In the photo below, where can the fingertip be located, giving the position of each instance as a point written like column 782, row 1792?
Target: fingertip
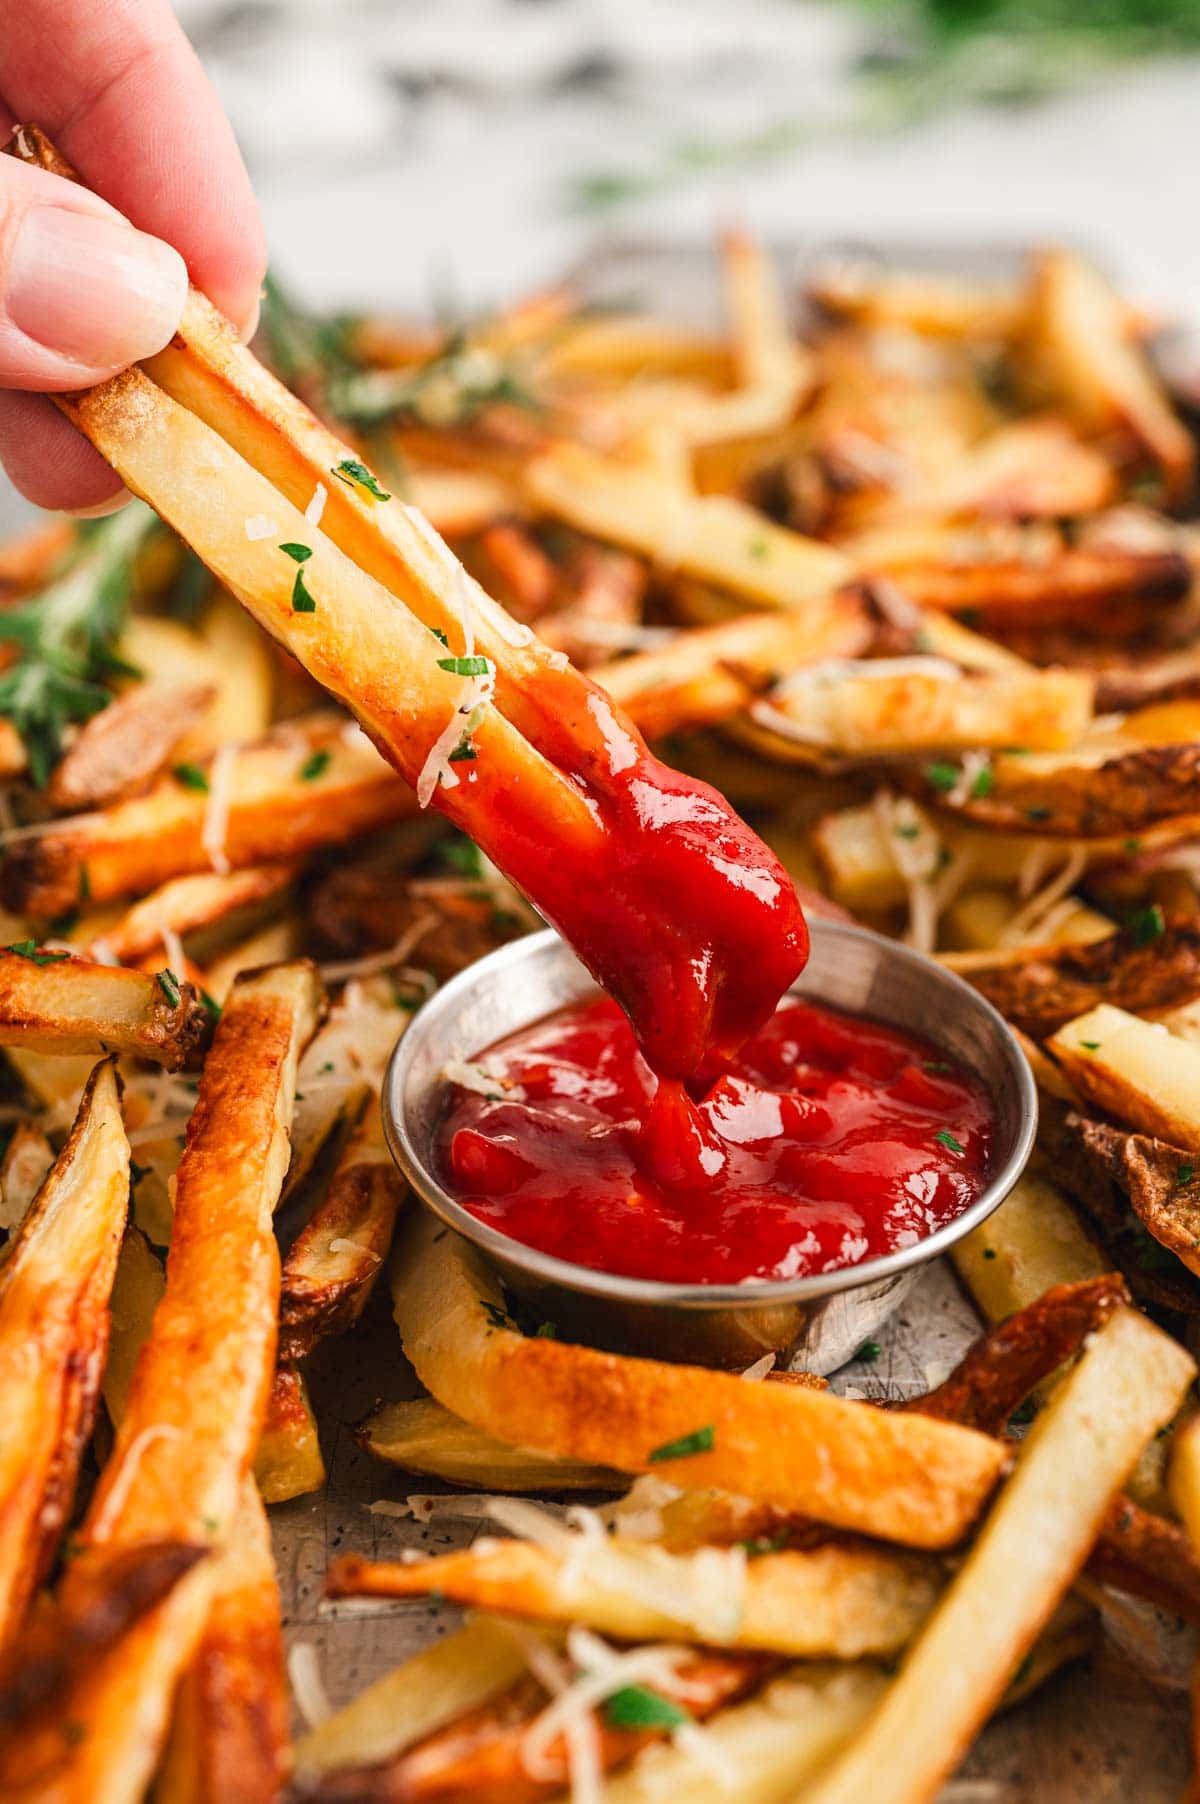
column 50, row 463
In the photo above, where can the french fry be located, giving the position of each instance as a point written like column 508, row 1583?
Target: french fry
column 1079, row 333
column 27, row 1158
column 1091, row 792
column 1158, row 1179
column 1135, row 1070
column 194, row 904
column 243, row 710
column 421, row 1436
column 54, row 1290
column 122, row 749
column 288, row 1462
column 196, row 1398
column 275, row 812
column 53, row 1003
column 803, row 1449
column 415, row 1700
column 229, row 1729
column 937, row 306
column 1041, row 990
column 341, row 1067
column 136, row 1293
column 890, row 706
column 271, row 945
column 833, row 1601
column 1104, row 594
column 1128, row 1383
column 705, row 675
column 1032, row 1242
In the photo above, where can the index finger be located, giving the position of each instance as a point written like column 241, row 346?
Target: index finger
column 122, row 92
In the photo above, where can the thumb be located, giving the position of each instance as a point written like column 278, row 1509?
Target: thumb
column 82, row 292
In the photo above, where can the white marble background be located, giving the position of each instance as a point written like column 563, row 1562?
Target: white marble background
column 400, row 145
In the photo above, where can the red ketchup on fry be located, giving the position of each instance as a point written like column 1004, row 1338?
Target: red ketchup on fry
column 827, row 1140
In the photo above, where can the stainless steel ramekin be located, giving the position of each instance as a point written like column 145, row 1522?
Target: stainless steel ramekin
column 816, row 1322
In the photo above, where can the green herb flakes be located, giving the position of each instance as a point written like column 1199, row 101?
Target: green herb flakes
column 701, row 1440
column 946, row 1138
column 191, row 777
column 316, row 764
column 356, row 474
column 36, row 954
column 168, row 983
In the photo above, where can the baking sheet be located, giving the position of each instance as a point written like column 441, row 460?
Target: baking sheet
column 1098, row 1733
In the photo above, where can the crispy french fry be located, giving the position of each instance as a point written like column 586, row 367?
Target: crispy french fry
column 421, row 1436
column 1127, row 1385
column 332, row 1264
column 1159, row 1180
column 63, row 1005
column 122, row 749
column 833, row 1601
column 275, row 812
column 196, row 1398
column 1079, row 331
column 936, row 306
column 288, row 1462
column 136, row 1293
column 27, row 1158
column 229, row 1730
column 413, row 1701
column 1041, row 989
column 806, row 1450
column 1091, row 792
column 193, row 905
column 341, row 1068
column 705, row 675
column 270, row 945
column 1031, row 1243
column 54, row 1290
column 1134, row 1069
column 1102, row 594
column 897, row 706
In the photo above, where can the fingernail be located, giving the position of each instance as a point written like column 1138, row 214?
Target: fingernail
column 95, row 290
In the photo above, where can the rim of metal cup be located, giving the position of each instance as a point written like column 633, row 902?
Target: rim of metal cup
column 545, row 1268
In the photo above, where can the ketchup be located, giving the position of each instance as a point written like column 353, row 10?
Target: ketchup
column 827, row 1140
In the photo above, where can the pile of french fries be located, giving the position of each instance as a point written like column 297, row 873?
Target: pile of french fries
column 911, row 585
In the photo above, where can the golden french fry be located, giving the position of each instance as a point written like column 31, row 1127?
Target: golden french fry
column 51, row 1003
column 123, row 748
column 1135, row 1070
column 423, row 1437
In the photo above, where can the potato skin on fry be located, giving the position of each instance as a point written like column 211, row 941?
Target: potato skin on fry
column 1160, row 1181
column 1053, row 985
column 1132, row 790
column 74, row 1006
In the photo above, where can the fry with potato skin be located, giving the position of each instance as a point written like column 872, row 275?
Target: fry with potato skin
column 1039, row 991
column 66, row 1005
column 805, row 1450
column 191, row 904
column 196, row 1400
column 275, row 812
column 54, row 1291
column 122, row 749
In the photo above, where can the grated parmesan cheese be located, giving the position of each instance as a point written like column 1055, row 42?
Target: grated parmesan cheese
column 316, row 506
column 340, row 971
column 760, row 1368
column 261, row 526
column 308, row 1687
column 1033, row 917
column 216, row 813
column 477, row 1078
column 341, row 1244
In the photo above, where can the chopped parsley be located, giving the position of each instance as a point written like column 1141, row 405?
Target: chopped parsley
column 946, row 1138
column 168, row 983
column 547, row 1331
column 299, row 554
column 36, row 955
column 191, row 776
column 1090, row 1045
column 1147, row 925
column 942, row 776
column 439, row 634
column 701, row 1440
column 758, row 1545
column 1185, row 1174
column 302, row 601
column 1023, row 1414
column 869, row 1350
column 464, row 666
column 316, row 764
column 984, row 782
column 464, row 752
column 637, row 1707
column 352, row 473
column 909, row 830
column 989, row 1252
column 937, row 1066
column 463, row 855
column 758, row 550
column 210, row 1005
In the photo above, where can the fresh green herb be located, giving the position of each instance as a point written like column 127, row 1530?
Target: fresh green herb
column 869, row 1351
column 942, row 776
column 700, row 1440
column 1023, row 1414
column 1022, row 1673
column 210, row 1005
column 1038, row 813
column 36, row 955
column 547, row 1331
column 211, row 1524
column 983, row 783
column 351, row 472
column 989, row 1252
column 1147, row 925
column 168, row 983
column 299, row 554
column 1133, row 847
column 637, row 1707
column 464, row 752
column 759, row 550
column 66, row 637
column 316, row 764
column 758, row 1545
column 302, row 601
column 947, row 1139
column 137, row 1173
column 909, row 830
column 439, row 634
column 464, row 666
column 1149, row 1255
column 463, row 855
column 1185, row 1174
column 451, row 389
column 191, row 776
column 939, row 1067
column 1090, row 1045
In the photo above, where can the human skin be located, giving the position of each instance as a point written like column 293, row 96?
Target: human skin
column 94, row 278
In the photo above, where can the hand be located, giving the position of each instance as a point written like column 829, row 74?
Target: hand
column 90, row 285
